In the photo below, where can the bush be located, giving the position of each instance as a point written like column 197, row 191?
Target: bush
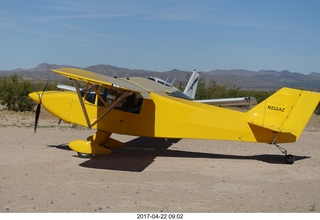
column 14, row 93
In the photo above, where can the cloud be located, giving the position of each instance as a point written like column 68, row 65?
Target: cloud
column 77, row 16
column 7, row 25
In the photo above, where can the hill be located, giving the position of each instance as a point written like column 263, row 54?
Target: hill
column 245, row 79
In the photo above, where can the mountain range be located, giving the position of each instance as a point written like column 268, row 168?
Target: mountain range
column 245, row 79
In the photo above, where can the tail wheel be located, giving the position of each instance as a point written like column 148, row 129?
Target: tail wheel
column 290, row 159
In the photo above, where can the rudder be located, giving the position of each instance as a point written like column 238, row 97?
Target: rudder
column 285, row 112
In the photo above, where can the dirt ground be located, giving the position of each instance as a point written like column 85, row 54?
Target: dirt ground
column 40, row 174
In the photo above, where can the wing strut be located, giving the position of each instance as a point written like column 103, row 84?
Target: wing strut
column 75, row 83
column 122, row 97
column 85, row 113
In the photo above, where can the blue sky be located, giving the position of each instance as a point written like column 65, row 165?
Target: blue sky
column 162, row 35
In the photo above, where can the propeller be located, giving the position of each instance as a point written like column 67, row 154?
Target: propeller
column 39, row 106
column 37, row 117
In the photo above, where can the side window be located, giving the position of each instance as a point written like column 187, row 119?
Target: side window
column 90, row 96
column 112, row 96
column 107, row 96
column 104, row 97
column 132, row 104
column 103, row 92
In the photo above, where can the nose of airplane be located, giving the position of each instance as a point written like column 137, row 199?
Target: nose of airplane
column 35, row 96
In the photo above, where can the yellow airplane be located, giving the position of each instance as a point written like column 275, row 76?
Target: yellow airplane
column 142, row 107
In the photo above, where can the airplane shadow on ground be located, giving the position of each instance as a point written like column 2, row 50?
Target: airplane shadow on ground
column 139, row 153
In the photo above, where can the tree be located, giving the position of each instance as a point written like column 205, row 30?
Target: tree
column 14, row 93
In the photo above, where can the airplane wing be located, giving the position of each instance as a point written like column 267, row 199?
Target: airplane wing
column 94, row 78
column 230, row 101
column 134, row 84
column 131, row 84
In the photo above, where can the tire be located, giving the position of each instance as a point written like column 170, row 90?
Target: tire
column 84, row 155
column 290, row 159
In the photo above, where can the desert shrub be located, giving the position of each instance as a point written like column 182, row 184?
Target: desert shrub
column 14, row 93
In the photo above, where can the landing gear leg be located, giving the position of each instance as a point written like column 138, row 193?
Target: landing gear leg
column 289, row 157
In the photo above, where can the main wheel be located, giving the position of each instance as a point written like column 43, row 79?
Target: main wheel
column 83, row 155
column 290, row 159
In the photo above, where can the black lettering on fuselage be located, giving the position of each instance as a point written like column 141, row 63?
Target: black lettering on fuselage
column 276, row 108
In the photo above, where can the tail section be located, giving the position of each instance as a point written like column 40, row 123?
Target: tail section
column 285, row 114
column 192, row 85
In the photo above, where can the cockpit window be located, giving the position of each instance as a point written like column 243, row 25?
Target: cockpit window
column 103, row 92
column 90, row 95
column 160, row 81
column 132, row 103
column 151, row 78
column 107, row 97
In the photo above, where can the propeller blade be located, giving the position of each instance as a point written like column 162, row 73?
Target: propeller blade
column 37, row 117
column 45, row 87
column 39, row 105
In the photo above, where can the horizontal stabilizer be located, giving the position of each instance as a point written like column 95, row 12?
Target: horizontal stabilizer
column 65, row 87
column 230, row 101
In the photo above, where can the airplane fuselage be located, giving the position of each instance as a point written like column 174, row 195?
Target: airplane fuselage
column 159, row 116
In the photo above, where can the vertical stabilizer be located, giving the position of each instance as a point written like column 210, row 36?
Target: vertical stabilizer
column 285, row 113
column 192, row 85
